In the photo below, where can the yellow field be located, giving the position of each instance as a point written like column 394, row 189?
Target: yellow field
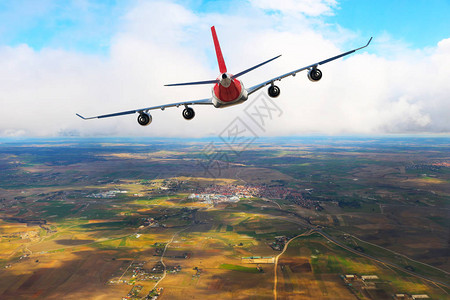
column 78, row 256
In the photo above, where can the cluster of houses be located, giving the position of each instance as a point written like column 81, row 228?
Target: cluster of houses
column 149, row 222
column 279, row 243
column 214, row 198
column 369, row 280
column 412, row 297
column 107, row 195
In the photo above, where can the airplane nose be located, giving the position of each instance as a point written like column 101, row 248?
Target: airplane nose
column 224, row 75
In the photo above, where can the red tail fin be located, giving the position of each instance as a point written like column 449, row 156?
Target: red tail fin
column 222, row 66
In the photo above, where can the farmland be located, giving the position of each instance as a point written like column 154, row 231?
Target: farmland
column 119, row 218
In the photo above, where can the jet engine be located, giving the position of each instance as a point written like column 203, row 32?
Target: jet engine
column 188, row 113
column 273, row 91
column 144, row 119
column 314, row 74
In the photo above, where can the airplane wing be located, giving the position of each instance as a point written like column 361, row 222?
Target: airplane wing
column 162, row 107
column 293, row 73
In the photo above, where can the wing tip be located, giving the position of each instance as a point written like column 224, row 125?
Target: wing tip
column 85, row 118
column 81, row 116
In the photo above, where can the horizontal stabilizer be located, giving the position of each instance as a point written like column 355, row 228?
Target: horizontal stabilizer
column 194, row 83
column 257, row 66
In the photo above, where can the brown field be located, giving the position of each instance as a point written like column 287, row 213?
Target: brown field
column 371, row 201
column 61, row 275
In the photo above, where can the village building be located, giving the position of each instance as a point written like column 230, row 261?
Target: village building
column 258, row 260
column 369, row 277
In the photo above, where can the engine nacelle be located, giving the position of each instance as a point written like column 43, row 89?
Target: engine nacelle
column 188, row 113
column 273, row 91
column 314, row 74
column 144, row 119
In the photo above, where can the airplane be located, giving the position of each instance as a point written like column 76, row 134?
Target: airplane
column 228, row 90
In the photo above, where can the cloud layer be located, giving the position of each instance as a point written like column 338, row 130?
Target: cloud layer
column 389, row 88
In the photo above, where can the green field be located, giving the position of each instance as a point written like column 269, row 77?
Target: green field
column 238, row 268
column 93, row 219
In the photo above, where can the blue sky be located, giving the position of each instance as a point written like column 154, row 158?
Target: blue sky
column 419, row 23
column 73, row 25
column 87, row 26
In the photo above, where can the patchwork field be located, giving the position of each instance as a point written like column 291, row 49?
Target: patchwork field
column 112, row 219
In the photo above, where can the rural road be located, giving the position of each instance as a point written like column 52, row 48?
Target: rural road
column 302, row 221
column 275, row 279
column 162, row 256
column 331, row 239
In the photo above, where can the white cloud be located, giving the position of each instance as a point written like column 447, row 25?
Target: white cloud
column 163, row 42
column 305, row 7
